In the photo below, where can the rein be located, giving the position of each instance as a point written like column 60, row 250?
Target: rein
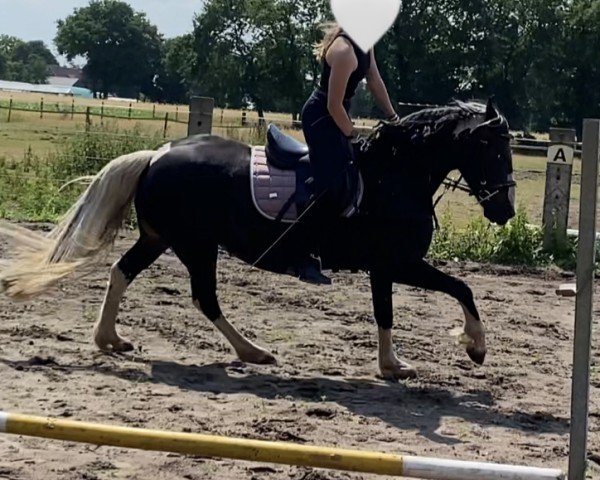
column 450, row 185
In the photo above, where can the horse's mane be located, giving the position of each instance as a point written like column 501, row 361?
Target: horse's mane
column 454, row 118
column 455, row 113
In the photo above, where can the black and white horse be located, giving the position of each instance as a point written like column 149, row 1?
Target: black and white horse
column 194, row 196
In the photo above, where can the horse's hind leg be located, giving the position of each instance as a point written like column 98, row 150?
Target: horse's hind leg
column 139, row 257
column 201, row 262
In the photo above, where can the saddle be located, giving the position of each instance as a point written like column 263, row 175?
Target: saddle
column 281, row 179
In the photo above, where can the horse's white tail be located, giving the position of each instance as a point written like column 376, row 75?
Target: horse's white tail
column 88, row 228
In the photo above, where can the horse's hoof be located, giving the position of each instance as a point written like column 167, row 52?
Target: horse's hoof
column 478, row 356
column 403, row 371
column 118, row 345
column 258, row 357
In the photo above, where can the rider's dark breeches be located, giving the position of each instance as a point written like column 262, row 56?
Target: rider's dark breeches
column 330, row 151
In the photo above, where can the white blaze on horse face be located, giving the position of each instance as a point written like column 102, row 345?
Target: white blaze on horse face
column 366, row 21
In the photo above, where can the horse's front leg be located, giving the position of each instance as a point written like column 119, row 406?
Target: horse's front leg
column 422, row 275
column 390, row 366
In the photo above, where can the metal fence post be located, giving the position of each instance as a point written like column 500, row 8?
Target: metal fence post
column 584, row 304
column 201, row 115
column 558, row 187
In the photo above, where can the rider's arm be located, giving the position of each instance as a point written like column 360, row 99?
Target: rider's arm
column 378, row 89
column 343, row 62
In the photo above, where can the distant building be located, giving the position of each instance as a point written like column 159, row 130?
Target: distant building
column 66, row 77
column 61, row 81
column 45, row 88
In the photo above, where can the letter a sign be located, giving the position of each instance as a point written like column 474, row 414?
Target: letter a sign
column 560, row 154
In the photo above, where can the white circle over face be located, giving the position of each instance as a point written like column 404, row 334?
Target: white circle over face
column 366, row 21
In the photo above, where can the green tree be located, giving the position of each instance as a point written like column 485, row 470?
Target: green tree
column 25, row 61
column 24, row 51
column 421, row 58
column 258, row 52
column 3, row 66
column 8, row 44
column 516, row 55
column 175, row 79
column 121, row 46
column 580, row 97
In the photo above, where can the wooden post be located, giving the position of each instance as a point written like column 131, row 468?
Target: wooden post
column 586, row 265
column 102, row 113
column 72, row 108
column 222, row 115
column 243, row 118
column 129, row 112
column 88, row 119
column 42, row 107
column 154, row 110
column 166, row 125
column 176, row 113
column 558, row 187
column 10, row 102
column 201, row 115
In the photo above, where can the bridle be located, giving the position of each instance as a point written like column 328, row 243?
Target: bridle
column 482, row 192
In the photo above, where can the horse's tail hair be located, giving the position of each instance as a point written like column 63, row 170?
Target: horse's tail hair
column 88, row 228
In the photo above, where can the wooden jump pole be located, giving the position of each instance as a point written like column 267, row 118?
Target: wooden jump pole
column 586, row 264
column 269, row 452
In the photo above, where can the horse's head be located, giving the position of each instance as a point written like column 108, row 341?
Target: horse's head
column 486, row 164
column 475, row 139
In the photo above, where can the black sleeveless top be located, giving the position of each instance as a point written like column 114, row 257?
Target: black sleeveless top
column 357, row 76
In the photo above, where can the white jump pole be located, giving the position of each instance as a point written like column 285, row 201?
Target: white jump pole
column 269, row 452
column 586, row 260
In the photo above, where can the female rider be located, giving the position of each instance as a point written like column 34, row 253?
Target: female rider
column 329, row 131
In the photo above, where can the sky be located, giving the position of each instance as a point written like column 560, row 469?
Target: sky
column 36, row 19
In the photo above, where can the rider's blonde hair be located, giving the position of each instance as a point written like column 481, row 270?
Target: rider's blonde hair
column 330, row 30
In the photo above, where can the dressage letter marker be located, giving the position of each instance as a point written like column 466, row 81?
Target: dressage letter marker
column 269, row 452
column 558, row 188
column 561, row 154
column 366, row 21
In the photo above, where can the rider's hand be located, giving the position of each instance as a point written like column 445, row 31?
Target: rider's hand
column 354, row 134
column 394, row 120
column 355, row 138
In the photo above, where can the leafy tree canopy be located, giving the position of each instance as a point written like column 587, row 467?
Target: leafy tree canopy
column 121, row 46
column 24, row 61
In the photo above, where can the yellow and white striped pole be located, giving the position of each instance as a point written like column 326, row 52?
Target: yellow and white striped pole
column 268, row 452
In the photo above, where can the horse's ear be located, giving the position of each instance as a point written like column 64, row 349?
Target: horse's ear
column 490, row 112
